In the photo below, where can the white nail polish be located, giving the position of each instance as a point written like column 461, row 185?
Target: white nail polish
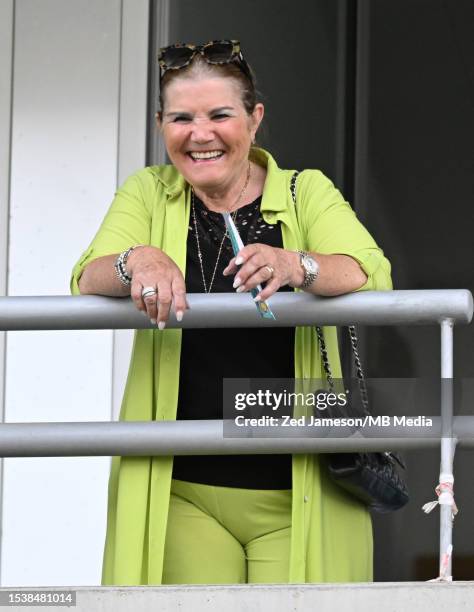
column 257, row 298
column 237, row 282
column 153, row 321
column 161, row 325
column 240, row 289
column 239, row 261
column 179, row 316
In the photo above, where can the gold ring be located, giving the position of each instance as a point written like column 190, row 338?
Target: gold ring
column 270, row 269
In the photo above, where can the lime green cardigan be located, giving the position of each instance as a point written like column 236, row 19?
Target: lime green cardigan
column 331, row 539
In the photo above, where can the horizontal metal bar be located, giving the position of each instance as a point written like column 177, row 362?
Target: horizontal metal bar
column 206, row 438
column 422, row 307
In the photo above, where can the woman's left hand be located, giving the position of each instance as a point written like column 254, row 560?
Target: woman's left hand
column 260, row 263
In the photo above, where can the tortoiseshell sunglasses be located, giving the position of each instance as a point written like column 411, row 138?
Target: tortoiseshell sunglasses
column 180, row 55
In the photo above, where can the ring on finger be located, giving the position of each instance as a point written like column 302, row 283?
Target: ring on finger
column 147, row 291
column 270, row 270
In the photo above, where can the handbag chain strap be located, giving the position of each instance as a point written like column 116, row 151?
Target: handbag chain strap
column 352, row 334
column 355, row 351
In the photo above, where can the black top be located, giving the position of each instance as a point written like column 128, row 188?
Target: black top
column 206, row 357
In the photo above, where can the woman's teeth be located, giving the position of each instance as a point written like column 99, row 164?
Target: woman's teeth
column 206, row 154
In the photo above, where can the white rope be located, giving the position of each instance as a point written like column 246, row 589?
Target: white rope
column 445, row 493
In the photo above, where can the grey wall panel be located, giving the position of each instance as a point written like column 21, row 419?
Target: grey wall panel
column 63, row 176
column 159, row 37
column 6, row 87
column 6, row 60
column 73, row 77
column 133, row 87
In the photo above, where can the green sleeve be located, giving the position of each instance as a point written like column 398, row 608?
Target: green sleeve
column 127, row 222
column 331, row 227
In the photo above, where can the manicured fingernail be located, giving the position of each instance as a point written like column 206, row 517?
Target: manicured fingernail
column 224, row 272
column 161, row 325
column 237, row 282
column 179, row 316
column 153, row 321
column 257, row 298
column 239, row 261
column 240, row 289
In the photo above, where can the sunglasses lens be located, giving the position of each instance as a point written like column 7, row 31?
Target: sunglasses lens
column 220, row 52
column 176, row 57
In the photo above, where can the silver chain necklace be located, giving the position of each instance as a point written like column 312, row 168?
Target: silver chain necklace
column 234, row 216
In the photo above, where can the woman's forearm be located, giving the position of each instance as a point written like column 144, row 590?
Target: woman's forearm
column 338, row 274
column 148, row 267
column 99, row 278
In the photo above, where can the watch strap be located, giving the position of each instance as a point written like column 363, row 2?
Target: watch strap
column 309, row 277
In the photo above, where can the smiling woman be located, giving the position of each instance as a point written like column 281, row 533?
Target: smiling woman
column 233, row 518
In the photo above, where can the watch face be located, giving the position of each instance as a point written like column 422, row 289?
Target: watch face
column 310, row 265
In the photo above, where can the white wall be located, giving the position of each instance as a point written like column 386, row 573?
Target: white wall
column 78, row 127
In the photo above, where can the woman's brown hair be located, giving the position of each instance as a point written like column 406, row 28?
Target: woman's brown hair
column 199, row 68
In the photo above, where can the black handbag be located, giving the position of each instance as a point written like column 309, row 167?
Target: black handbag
column 373, row 478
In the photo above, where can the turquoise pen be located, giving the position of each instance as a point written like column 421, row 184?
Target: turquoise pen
column 237, row 244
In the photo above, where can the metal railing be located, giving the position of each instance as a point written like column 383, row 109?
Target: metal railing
column 425, row 307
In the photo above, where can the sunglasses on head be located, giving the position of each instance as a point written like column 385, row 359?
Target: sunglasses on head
column 180, row 55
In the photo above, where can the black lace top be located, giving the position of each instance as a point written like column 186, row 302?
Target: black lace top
column 206, row 356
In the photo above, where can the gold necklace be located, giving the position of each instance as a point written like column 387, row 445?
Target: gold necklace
column 234, row 217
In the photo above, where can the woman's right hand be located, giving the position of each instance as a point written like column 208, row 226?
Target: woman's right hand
column 151, row 267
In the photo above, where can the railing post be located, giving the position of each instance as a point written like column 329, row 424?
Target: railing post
column 448, row 446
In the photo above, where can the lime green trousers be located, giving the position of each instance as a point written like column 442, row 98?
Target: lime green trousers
column 226, row 535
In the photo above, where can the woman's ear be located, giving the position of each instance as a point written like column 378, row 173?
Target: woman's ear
column 256, row 118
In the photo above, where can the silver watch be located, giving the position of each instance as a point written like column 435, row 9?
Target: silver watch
column 310, row 268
